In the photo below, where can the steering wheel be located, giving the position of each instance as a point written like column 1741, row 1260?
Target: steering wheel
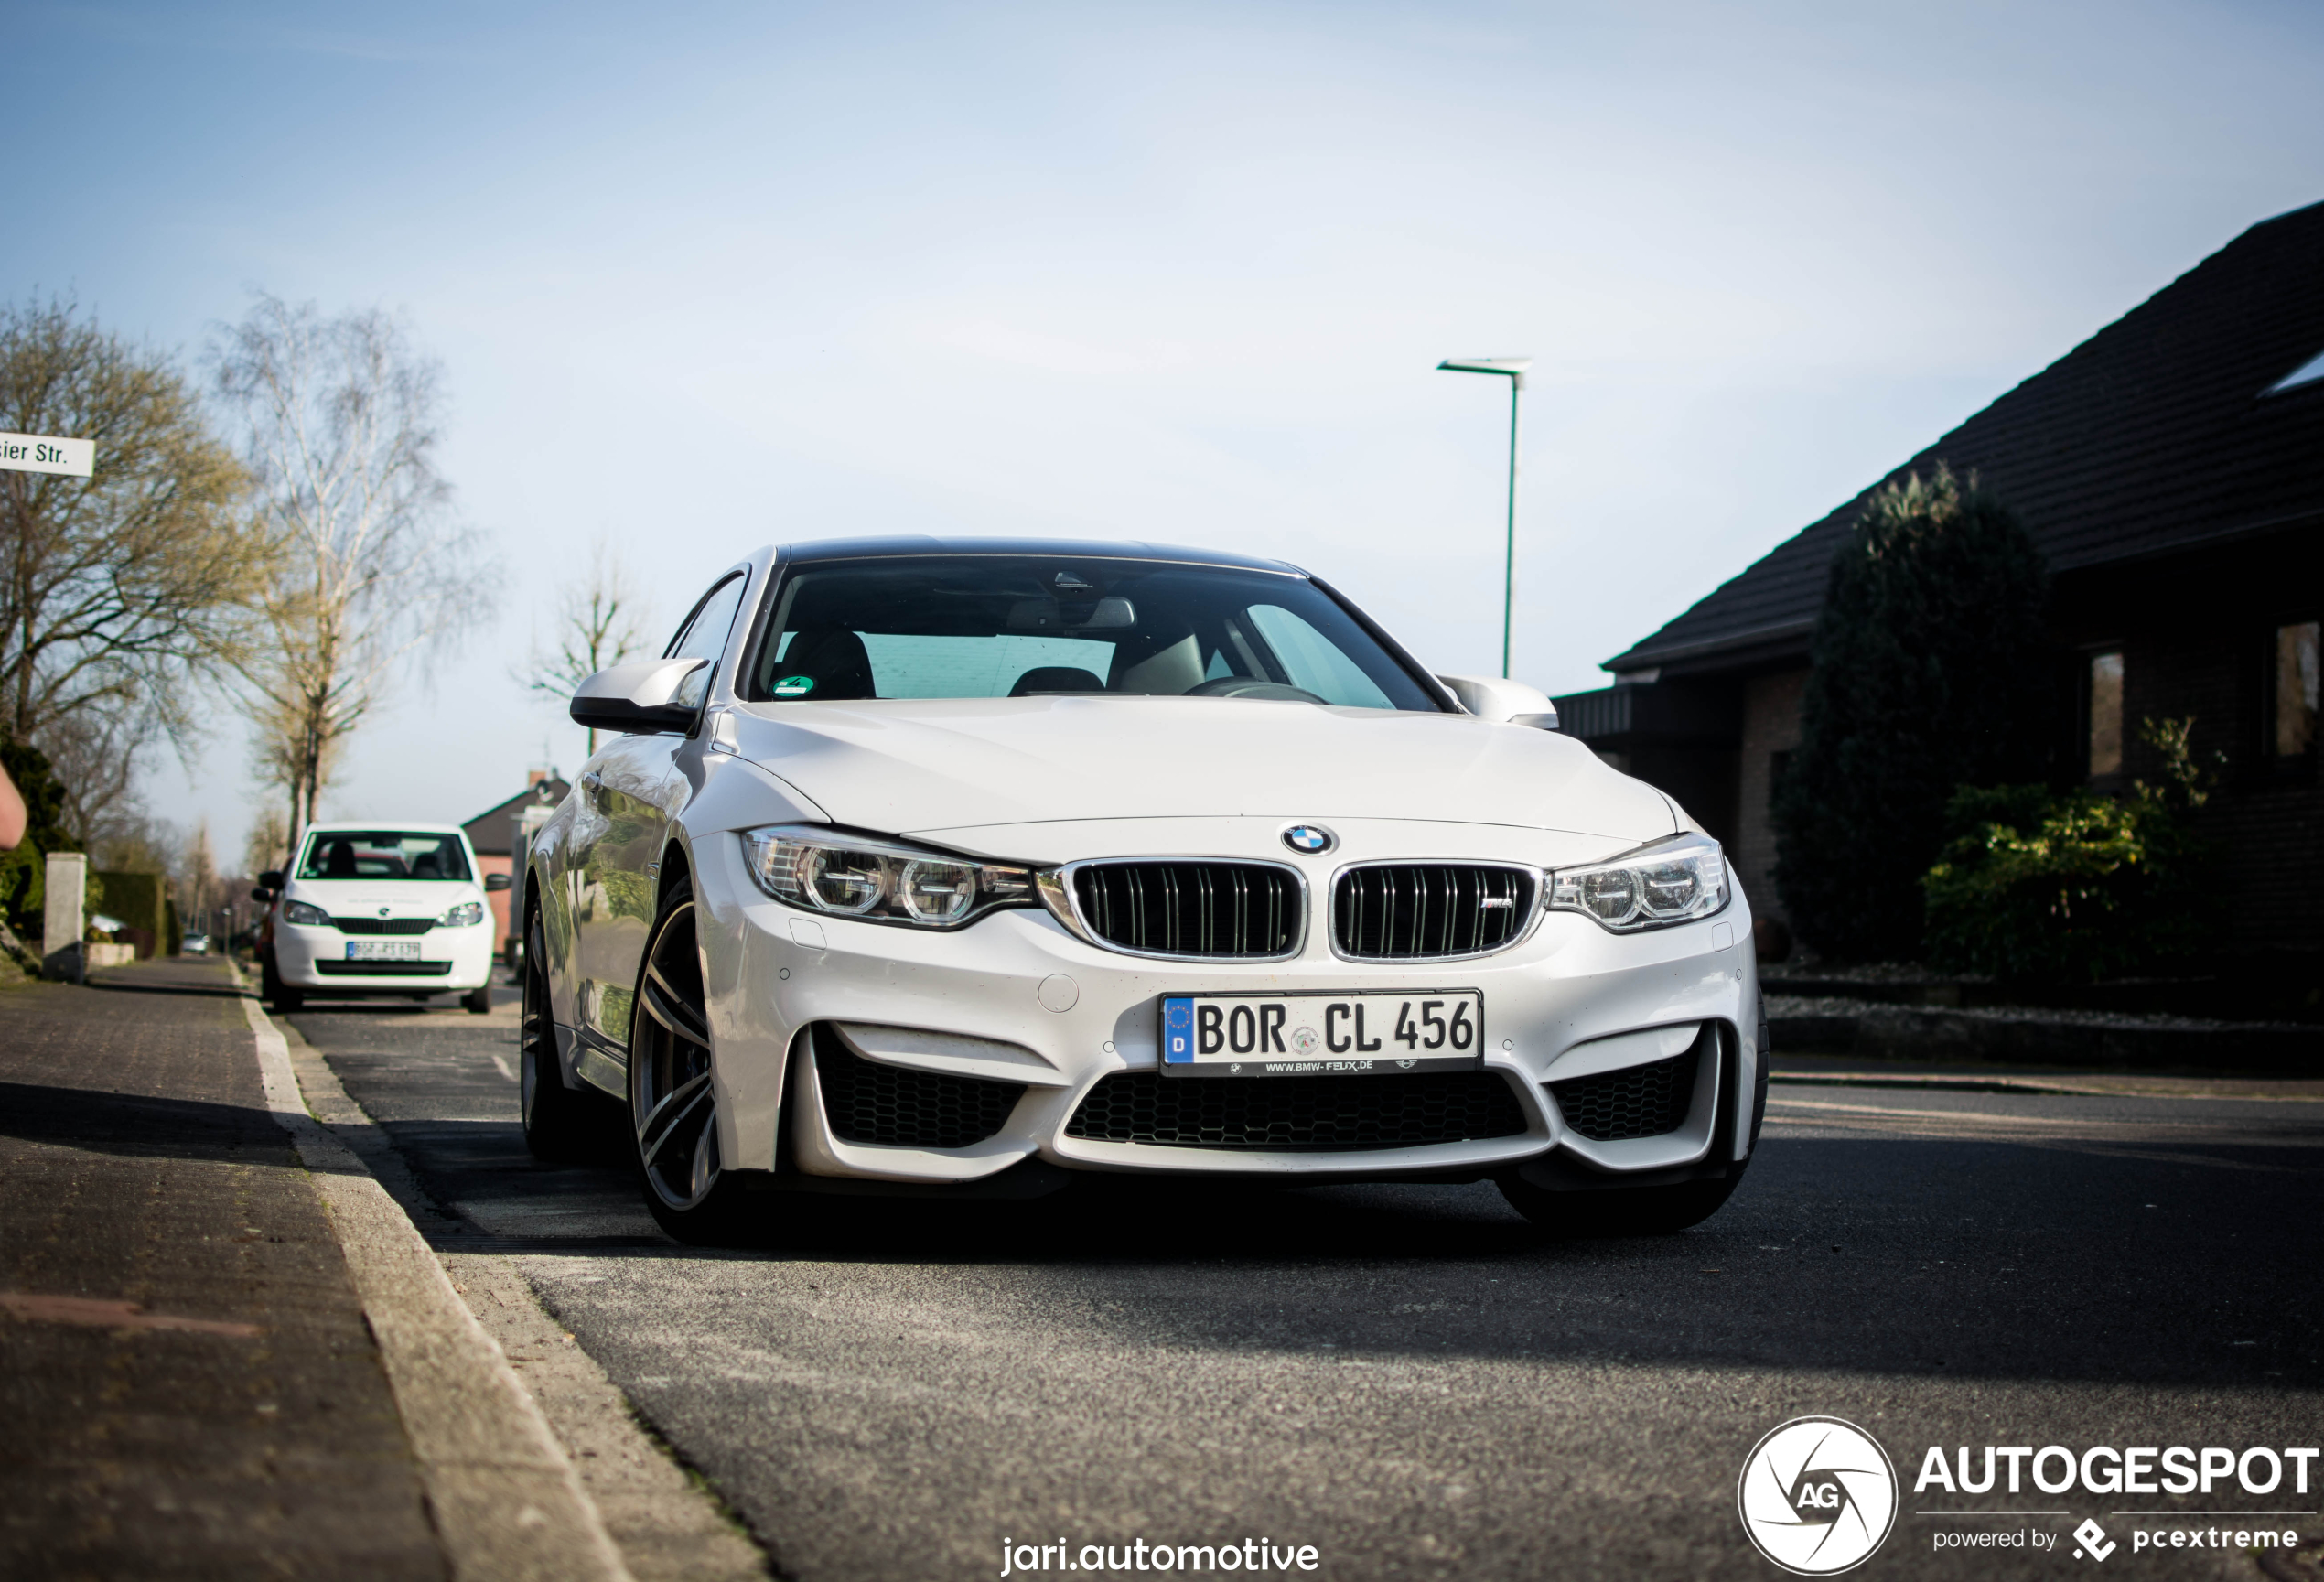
column 1251, row 686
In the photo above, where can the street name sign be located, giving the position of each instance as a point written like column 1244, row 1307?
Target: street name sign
column 46, row 453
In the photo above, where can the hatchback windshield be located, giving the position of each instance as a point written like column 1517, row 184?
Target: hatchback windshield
column 382, row 854
column 1011, row 626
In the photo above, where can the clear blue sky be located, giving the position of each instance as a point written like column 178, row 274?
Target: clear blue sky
column 707, row 277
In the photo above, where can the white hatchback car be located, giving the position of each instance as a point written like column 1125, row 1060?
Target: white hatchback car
column 371, row 909
column 960, row 867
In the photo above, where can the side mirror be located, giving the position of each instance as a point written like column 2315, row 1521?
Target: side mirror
column 640, row 698
column 496, row 881
column 271, row 880
column 1490, row 697
column 264, row 898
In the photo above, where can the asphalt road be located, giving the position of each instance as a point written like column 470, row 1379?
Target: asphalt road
column 1405, row 1378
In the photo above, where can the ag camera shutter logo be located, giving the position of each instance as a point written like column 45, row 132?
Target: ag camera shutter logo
column 1817, row 1496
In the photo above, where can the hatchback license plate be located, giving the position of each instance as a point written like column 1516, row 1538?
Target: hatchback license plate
column 1304, row 1034
column 382, row 950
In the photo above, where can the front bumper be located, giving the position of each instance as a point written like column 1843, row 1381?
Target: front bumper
column 315, row 960
column 1016, row 998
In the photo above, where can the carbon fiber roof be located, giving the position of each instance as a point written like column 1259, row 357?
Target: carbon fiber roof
column 1063, row 548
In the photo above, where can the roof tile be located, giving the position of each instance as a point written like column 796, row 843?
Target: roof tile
column 2154, row 434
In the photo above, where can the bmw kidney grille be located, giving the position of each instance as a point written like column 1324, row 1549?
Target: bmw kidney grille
column 1409, row 911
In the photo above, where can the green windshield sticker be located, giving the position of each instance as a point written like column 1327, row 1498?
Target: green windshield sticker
column 795, row 686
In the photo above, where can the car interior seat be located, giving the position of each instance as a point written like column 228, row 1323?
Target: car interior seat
column 428, row 865
column 834, row 658
column 339, row 863
column 1049, row 678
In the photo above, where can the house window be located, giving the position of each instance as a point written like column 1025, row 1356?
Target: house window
column 2105, row 714
column 2295, row 689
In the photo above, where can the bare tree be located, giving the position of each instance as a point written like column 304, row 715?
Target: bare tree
column 600, row 620
column 339, row 418
column 279, row 747
column 196, row 878
column 268, row 846
column 95, row 755
column 120, row 594
column 138, row 846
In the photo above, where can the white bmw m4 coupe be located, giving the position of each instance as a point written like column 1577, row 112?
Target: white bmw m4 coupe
column 959, row 868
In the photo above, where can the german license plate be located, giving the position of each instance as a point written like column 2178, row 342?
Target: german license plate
column 382, row 950
column 1301, row 1035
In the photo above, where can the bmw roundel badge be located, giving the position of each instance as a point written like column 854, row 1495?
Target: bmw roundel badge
column 1310, row 840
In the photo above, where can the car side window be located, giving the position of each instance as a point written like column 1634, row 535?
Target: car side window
column 705, row 634
column 705, row 637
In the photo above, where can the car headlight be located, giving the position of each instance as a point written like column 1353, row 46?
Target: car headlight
column 467, row 915
column 305, row 916
column 879, row 881
column 1676, row 879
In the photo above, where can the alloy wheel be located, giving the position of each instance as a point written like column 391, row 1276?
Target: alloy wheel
column 537, row 1039
column 672, row 1105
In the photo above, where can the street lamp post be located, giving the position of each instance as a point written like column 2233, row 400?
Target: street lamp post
column 1513, row 370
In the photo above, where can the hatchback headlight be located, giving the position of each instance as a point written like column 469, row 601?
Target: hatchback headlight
column 1676, row 879
column 467, row 915
column 305, row 916
column 879, row 881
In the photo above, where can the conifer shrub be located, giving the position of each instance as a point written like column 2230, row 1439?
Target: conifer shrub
column 1931, row 671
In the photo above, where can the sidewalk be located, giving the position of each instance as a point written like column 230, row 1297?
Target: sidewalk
column 188, row 1386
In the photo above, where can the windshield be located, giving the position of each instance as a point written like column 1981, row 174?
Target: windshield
column 382, row 854
column 1030, row 625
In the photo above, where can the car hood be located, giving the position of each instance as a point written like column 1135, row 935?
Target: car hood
column 383, row 897
column 925, row 766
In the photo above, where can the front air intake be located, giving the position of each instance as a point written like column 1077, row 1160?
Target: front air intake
column 1220, row 910
column 867, row 1101
column 1424, row 911
column 1298, row 1114
column 1648, row 1100
column 330, row 969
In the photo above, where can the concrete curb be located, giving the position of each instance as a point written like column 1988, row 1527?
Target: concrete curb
column 505, row 1498
column 1873, row 1031
column 2099, row 1085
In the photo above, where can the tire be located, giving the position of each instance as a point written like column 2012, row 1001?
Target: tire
column 274, row 991
column 559, row 1124
column 673, row 1102
column 1620, row 1211
column 478, row 1001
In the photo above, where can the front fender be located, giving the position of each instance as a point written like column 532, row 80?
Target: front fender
column 730, row 794
column 546, row 865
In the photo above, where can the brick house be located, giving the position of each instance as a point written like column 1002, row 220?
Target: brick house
column 492, row 834
column 2173, row 469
